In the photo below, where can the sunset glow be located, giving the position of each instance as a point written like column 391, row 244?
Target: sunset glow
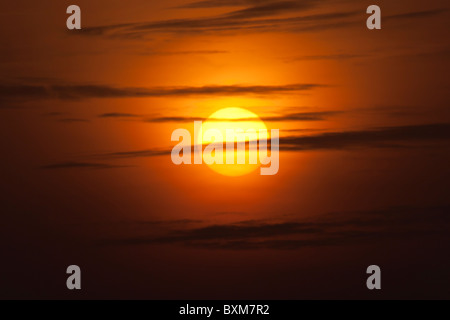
column 101, row 165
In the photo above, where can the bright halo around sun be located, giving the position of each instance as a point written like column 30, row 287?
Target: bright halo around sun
column 237, row 119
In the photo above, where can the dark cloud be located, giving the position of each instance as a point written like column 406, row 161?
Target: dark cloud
column 74, row 92
column 80, row 165
column 272, row 8
column 336, row 229
column 137, row 154
column 238, row 21
column 327, row 57
column 227, row 232
column 394, row 137
column 393, row 110
column 441, row 53
column 19, row 91
column 261, row 16
column 302, row 116
column 298, row 116
column 118, row 115
column 416, row 14
column 174, row 119
column 224, row 3
column 382, row 137
column 307, row 130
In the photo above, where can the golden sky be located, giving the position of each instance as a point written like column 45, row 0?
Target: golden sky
column 86, row 119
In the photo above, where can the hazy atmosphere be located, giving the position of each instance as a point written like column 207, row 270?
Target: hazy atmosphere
column 86, row 118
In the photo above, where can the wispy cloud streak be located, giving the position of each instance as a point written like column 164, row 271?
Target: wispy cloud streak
column 74, row 92
column 337, row 229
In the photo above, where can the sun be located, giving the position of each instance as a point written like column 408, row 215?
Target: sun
column 235, row 119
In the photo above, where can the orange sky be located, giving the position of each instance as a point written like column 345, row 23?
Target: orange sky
column 363, row 116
